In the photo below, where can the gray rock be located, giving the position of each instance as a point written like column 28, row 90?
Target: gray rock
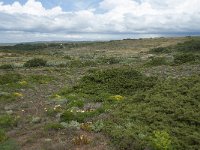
column 4, row 94
column 9, row 112
column 58, row 101
column 10, row 107
column 36, row 120
column 47, row 140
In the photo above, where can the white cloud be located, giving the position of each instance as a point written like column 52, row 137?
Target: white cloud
column 117, row 16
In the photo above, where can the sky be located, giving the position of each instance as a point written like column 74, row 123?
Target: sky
column 81, row 20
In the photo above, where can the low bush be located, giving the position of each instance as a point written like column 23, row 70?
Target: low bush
column 161, row 50
column 157, row 61
column 189, row 46
column 53, row 126
column 7, row 121
column 161, row 140
column 3, row 136
column 108, row 60
column 6, row 66
column 150, row 105
column 80, row 117
column 9, row 78
column 186, row 58
column 125, row 81
column 6, row 97
column 41, row 79
column 36, row 62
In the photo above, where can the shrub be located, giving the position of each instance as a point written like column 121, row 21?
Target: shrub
column 157, row 61
column 161, row 140
column 80, row 117
column 67, row 116
column 9, row 78
column 36, row 62
column 123, row 81
column 6, row 97
column 186, row 58
column 6, row 66
column 53, row 126
column 3, row 136
column 189, row 46
column 76, row 103
column 98, row 126
column 161, row 50
column 9, row 145
column 41, row 79
column 7, row 121
column 109, row 60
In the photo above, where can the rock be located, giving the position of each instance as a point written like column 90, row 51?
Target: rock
column 9, row 112
column 64, row 124
column 58, row 101
column 58, row 116
column 36, row 120
column 9, row 107
column 47, row 140
column 4, row 94
column 89, row 106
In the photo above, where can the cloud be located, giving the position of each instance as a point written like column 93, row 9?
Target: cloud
column 108, row 17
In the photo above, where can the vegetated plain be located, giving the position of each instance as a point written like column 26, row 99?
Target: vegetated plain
column 120, row 95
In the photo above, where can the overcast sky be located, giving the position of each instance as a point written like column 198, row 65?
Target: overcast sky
column 41, row 20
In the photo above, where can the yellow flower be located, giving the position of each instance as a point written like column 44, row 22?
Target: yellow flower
column 117, row 97
column 23, row 83
column 16, row 94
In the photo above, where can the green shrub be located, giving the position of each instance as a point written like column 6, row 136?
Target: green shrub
column 120, row 81
column 9, row 78
column 171, row 104
column 7, row 121
column 157, row 61
column 186, row 58
column 98, row 126
column 161, row 140
column 67, row 116
column 67, row 57
column 6, row 66
column 41, row 79
column 80, row 117
column 189, row 46
column 76, row 103
column 36, row 62
column 9, row 145
column 3, row 136
column 109, row 60
column 53, row 126
column 6, row 97
column 161, row 50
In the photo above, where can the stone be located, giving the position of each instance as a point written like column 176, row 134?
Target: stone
column 9, row 112
column 47, row 140
column 36, row 120
column 9, row 107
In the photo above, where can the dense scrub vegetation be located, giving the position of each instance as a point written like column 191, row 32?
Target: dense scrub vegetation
column 36, row 62
column 188, row 46
column 101, row 95
column 155, row 113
